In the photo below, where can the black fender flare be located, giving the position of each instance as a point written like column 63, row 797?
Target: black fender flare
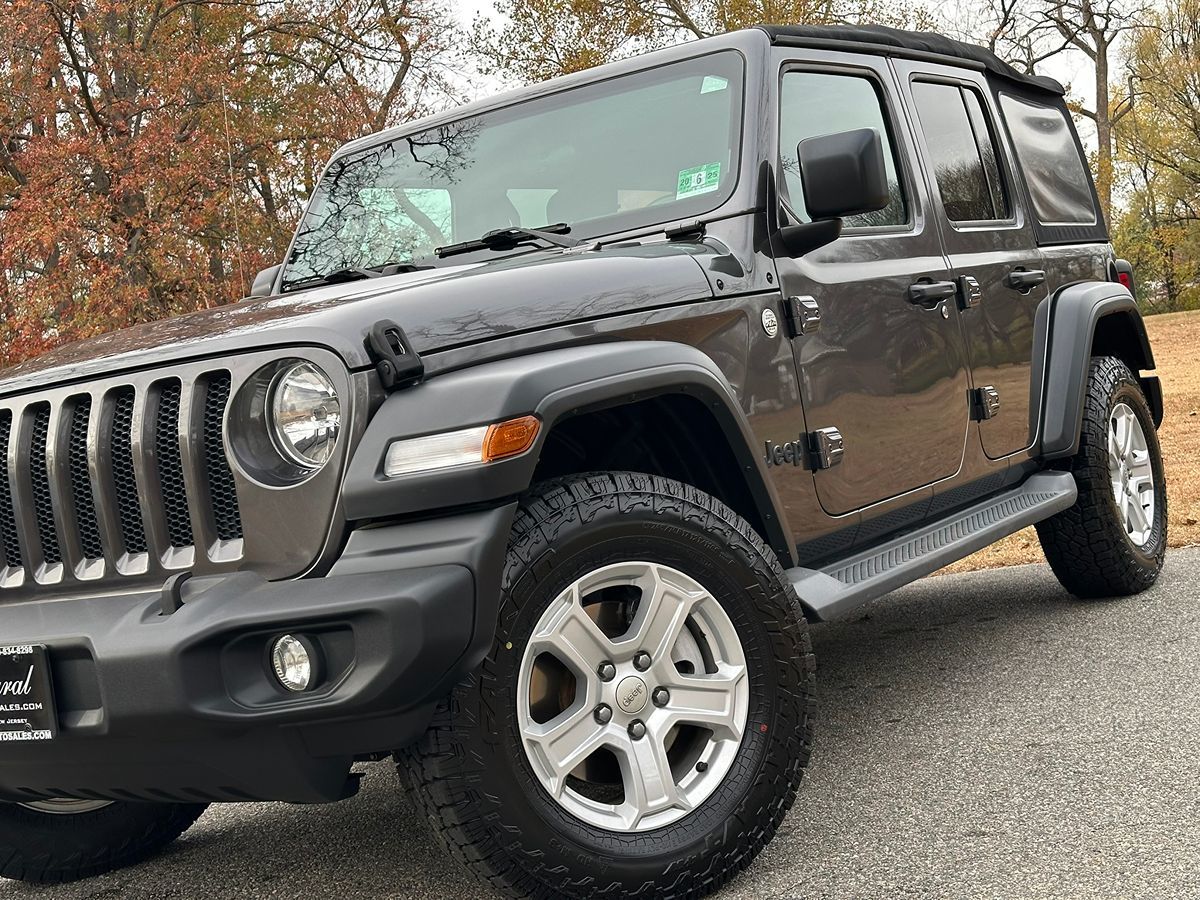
column 552, row 385
column 1076, row 313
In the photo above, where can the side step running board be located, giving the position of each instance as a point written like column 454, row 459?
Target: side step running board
column 840, row 587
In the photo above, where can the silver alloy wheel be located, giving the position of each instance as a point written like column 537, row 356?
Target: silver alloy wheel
column 658, row 702
column 1132, row 473
column 66, row 807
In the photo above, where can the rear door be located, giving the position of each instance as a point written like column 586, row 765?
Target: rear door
column 886, row 370
column 989, row 240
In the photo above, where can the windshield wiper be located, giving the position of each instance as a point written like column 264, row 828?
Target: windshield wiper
column 339, row 276
column 508, row 238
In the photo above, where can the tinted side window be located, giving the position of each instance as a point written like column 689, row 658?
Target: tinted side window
column 962, row 152
column 985, row 137
column 1054, row 169
column 815, row 104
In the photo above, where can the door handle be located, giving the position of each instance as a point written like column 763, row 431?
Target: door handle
column 931, row 293
column 1025, row 279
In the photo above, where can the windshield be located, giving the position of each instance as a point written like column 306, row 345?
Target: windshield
column 648, row 147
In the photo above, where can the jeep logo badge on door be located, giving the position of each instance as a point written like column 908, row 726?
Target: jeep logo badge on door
column 790, row 453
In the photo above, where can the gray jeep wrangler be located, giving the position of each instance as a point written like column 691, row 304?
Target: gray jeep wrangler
column 564, row 416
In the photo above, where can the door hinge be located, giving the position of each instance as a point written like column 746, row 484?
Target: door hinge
column 826, row 448
column 396, row 361
column 969, row 292
column 985, row 403
column 803, row 315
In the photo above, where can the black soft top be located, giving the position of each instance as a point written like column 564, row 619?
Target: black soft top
column 898, row 42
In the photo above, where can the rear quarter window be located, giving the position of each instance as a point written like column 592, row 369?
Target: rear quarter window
column 961, row 149
column 1058, row 182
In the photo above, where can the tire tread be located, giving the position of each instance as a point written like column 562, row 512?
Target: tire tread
column 53, row 849
column 1085, row 545
column 450, row 788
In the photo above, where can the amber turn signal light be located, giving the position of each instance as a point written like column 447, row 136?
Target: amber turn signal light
column 510, row 438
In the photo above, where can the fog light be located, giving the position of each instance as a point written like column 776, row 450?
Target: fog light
column 294, row 659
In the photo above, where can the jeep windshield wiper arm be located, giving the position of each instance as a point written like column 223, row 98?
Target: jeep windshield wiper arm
column 355, row 274
column 508, row 238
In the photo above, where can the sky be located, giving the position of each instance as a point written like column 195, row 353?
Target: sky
column 468, row 9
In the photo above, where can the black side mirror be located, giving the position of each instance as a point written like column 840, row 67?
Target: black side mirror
column 264, row 282
column 843, row 174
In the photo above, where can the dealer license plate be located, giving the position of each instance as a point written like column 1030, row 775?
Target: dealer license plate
column 26, row 698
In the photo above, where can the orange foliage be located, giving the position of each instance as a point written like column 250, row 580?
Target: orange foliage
column 154, row 154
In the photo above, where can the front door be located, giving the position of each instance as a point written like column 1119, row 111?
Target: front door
column 886, row 367
column 988, row 239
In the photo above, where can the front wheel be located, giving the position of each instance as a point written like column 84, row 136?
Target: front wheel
column 644, row 717
column 1112, row 542
column 51, row 841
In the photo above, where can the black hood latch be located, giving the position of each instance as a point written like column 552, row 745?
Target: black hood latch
column 396, row 361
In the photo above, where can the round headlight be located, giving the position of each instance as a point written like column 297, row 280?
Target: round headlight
column 306, row 415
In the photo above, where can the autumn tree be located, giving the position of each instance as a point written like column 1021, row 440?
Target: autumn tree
column 542, row 38
column 1027, row 33
column 1156, row 231
column 1159, row 153
column 155, row 153
column 1093, row 28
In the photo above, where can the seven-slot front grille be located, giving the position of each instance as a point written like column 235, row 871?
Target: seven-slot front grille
column 116, row 480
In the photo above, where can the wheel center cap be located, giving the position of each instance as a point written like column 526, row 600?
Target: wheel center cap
column 631, row 694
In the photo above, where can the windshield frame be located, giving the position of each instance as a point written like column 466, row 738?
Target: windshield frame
column 738, row 193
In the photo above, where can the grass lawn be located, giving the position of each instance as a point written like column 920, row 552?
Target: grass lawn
column 1176, row 341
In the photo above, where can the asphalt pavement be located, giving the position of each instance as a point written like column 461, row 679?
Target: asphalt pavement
column 980, row 735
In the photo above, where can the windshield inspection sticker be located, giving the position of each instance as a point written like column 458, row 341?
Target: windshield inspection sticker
column 698, row 180
column 713, row 83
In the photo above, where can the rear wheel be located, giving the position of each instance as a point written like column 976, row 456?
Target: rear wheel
column 1112, row 542
column 644, row 718
column 50, row 841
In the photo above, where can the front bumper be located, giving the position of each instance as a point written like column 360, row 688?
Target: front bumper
column 185, row 707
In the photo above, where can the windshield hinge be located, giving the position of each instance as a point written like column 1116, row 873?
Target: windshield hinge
column 395, row 359
column 681, row 230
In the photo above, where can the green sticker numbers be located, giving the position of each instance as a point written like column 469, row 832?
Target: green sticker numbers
column 698, row 180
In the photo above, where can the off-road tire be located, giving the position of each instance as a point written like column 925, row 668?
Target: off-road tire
column 1086, row 545
column 46, row 848
column 470, row 774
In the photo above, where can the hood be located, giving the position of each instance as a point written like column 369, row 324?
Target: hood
column 438, row 308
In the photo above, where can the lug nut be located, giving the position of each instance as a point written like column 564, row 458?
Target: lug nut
column 607, row 671
column 641, row 662
column 603, row 713
column 661, row 696
column 637, row 730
